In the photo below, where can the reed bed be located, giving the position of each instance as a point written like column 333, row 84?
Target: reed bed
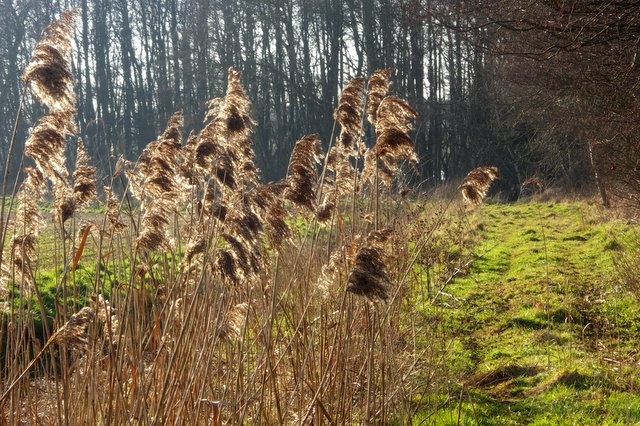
column 202, row 295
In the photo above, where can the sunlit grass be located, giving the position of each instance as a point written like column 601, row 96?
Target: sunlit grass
column 542, row 332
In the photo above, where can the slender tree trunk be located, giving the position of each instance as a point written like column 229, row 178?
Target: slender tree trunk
column 368, row 25
column 598, row 177
column 175, row 48
column 125, row 44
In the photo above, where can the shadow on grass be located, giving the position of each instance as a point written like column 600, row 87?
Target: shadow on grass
column 502, row 374
column 528, row 323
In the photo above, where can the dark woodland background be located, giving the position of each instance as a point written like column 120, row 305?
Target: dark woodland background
column 538, row 88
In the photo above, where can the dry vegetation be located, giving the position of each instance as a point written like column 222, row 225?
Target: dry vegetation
column 203, row 296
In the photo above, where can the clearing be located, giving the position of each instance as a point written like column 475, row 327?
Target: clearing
column 539, row 329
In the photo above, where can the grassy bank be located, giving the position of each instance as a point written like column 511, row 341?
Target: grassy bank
column 541, row 330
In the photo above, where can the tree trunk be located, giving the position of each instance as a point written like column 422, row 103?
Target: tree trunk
column 598, row 177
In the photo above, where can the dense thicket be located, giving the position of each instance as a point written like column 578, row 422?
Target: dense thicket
column 527, row 87
column 572, row 67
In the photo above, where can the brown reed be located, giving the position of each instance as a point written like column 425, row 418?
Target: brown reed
column 477, row 183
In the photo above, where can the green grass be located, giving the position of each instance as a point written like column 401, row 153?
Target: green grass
column 541, row 331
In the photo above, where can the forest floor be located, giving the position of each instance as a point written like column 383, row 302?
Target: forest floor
column 540, row 330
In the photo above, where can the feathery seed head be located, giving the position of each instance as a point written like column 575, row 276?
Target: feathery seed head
column 65, row 202
column 378, row 87
column 303, row 176
column 325, row 211
column 394, row 113
column 46, row 144
column 226, row 264
column 368, row 277
column 49, row 71
column 113, row 211
column 154, row 221
column 84, row 180
column 73, row 333
column 28, row 215
column 477, row 183
column 349, row 114
column 234, row 322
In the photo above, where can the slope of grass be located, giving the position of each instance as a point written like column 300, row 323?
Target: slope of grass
column 545, row 334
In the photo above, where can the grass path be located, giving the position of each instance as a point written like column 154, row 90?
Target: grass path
column 541, row 331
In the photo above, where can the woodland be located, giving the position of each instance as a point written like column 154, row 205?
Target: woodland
column 530, row 89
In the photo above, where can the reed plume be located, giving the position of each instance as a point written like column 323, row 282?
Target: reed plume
column 188, row 156
column 258, row 212
column 225, row 171
column 163, row 162
column 218, row 210
column 340, row 178
column 196, row 246
column 233, row 263
column 378, row 86
column 209, row 145
column 50, row 78
column 49, row 70
column 368, row 276
column 155, row 171
column 339, row 259
column 477, row 183
column 113, row 211
column 269, row 201
column 74, row 332
column 65, row 203
column 235, row 107
column 246, row 224
column 349, row 114
column 223, row 148
column 302, row 179
column 172, row 137
column 29, row 220
column 157, row 186
column 84, row 176
column 226, row 264
column 234, row 113
column 233, row 197
column 532, row 185
column 233, row 325
column 393, row 144
column 324, row 212
column 154, row 222
column 28, row 215
column 23, row 250
column 394, row 113
column 46, row 144
column 338, row 181
column 244, row 259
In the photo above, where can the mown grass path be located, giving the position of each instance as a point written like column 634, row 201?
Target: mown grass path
column 541, row 330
